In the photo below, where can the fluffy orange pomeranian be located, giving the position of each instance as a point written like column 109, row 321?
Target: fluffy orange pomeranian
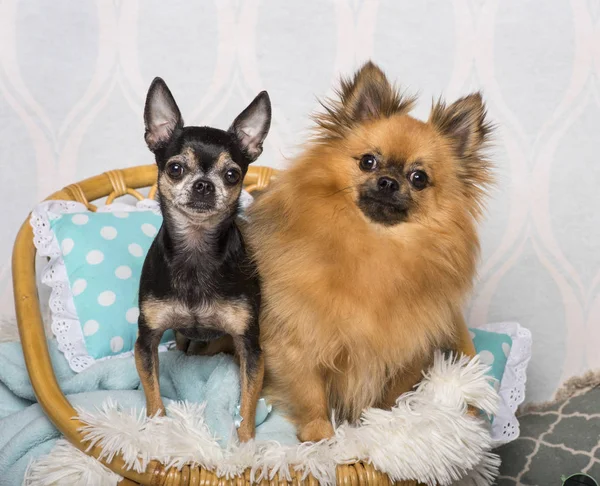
column 367, row 248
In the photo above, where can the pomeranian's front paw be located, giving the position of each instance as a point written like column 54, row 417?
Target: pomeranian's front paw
column 315, row 431
column 473, row 412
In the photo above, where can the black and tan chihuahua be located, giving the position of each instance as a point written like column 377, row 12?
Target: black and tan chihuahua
column 197, row 278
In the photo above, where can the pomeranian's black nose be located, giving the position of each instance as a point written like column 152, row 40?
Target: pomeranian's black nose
column 204, row 187
column 387, row 184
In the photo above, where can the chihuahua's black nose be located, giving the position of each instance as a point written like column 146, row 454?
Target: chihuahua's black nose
column 387, row 185
column 204, row 187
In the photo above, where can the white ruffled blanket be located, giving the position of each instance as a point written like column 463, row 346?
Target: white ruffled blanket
column 427, row 436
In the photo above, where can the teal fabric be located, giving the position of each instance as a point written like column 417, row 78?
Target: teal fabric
column 25, row 432
column 493, row 349
column 103, row 255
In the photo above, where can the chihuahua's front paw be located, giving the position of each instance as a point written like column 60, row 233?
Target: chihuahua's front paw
column 245, row 432
column 315, row 431
column 156, row 410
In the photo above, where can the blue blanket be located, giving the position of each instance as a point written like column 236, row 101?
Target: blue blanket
column 26, row 433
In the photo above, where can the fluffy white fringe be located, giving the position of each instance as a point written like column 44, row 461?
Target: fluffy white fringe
column 68, row 465
column 427, row 436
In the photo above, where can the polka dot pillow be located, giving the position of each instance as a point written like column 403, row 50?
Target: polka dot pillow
column 506, row 348
column 94, row 268
column 493, row 349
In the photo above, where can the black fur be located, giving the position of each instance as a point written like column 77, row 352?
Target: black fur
column 198, row 257
column 221, row 271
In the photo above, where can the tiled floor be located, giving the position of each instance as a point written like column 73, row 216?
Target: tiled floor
column 562, row 439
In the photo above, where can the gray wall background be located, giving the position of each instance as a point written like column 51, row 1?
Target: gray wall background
column 73, row 76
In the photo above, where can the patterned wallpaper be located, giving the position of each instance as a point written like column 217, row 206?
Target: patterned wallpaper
column 73, row 76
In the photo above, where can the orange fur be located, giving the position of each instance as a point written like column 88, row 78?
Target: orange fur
column 353, row 310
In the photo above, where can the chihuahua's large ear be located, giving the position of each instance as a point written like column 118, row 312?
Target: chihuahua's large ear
column 251, row 126
column 464, row 123
column 161, row 115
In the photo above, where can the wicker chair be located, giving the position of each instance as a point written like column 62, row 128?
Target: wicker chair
column 111, row 185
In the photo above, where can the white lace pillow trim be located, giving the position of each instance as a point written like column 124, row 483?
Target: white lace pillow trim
column 505, row 427
column 65, row 322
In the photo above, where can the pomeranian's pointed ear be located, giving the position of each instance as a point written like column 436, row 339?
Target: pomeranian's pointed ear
column 369, row 95
column 161, row 115
column 251, row 126
column 464, row 122
column 366, row 96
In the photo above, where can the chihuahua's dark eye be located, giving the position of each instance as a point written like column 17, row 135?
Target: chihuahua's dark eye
column 368, row 162
column 418, row 179
column 232, row 176
column 175, row 170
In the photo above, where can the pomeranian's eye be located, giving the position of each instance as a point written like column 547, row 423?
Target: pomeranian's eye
column 175, row 170
column 368, row 162
column 418, row 179
column 232, row 176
